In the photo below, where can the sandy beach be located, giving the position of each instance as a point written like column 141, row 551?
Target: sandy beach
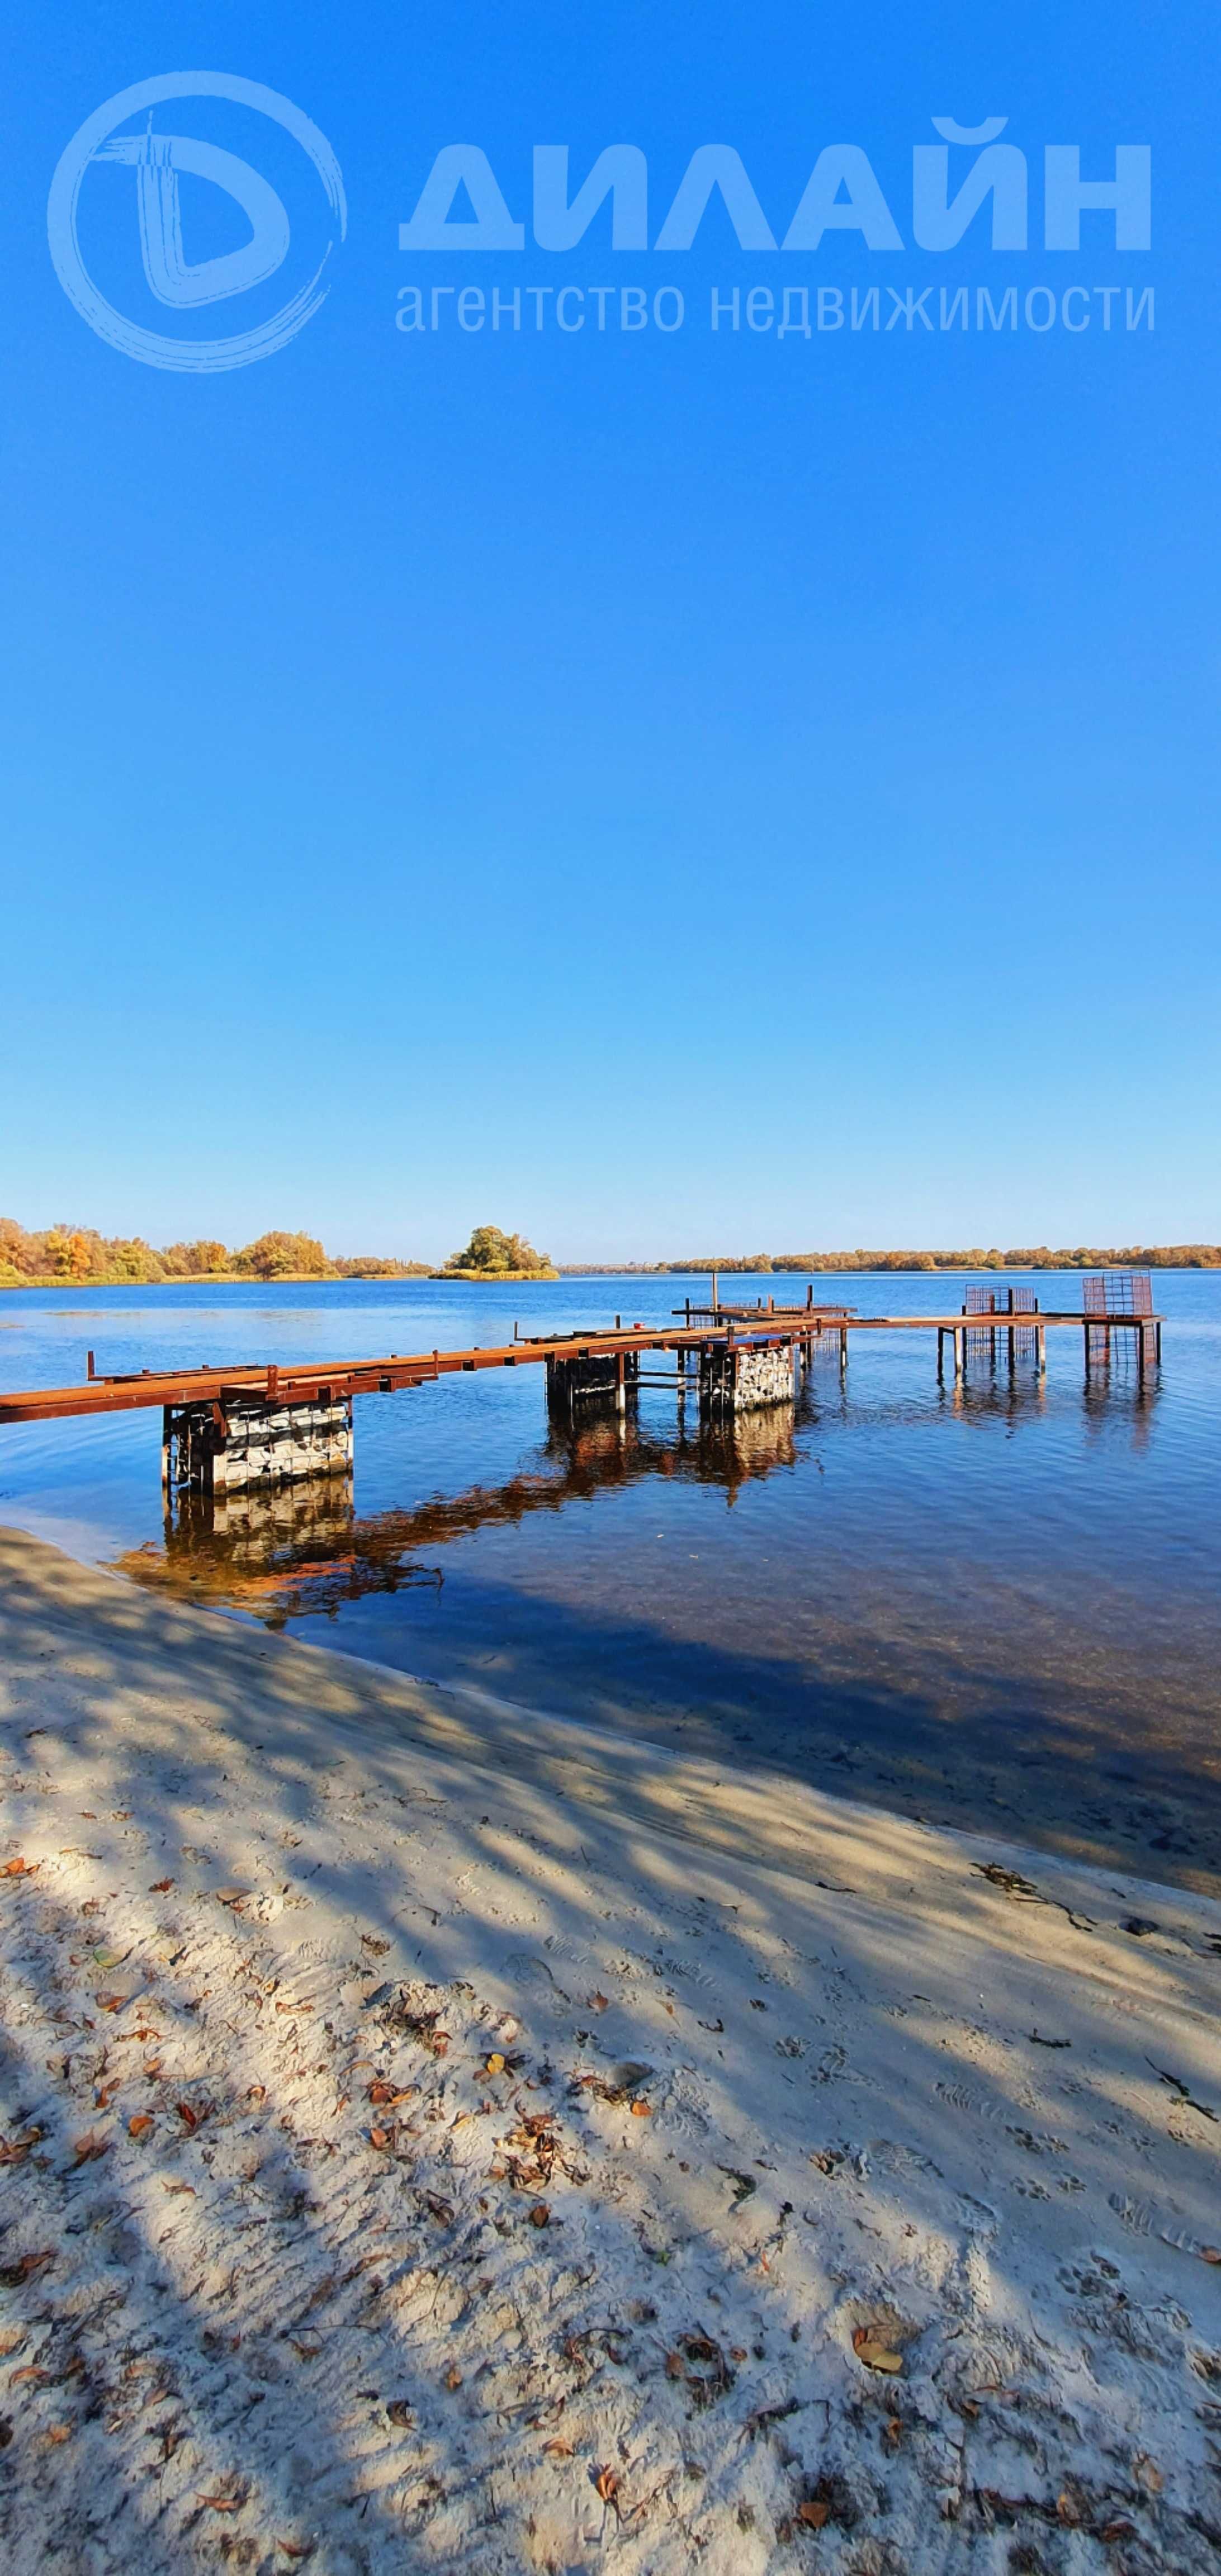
column 438, row 2137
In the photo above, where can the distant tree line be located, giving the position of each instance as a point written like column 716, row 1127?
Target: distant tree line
column 78, row 1253
column 1160, row 1256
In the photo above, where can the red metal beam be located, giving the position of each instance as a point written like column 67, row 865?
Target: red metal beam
column 281, row 1383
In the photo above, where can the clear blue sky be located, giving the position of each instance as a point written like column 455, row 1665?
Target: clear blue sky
column 658, row 791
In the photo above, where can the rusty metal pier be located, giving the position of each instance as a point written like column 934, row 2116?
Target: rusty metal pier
column 224, row 1428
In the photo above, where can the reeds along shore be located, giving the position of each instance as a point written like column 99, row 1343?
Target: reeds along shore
column 432, row 2127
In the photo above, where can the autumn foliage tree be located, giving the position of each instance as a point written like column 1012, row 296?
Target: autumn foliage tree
column 492, row 1253
column 281, row 1256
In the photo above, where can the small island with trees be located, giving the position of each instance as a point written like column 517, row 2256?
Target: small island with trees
column 493, row 1255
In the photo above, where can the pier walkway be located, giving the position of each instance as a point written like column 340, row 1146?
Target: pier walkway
column 280, row 1422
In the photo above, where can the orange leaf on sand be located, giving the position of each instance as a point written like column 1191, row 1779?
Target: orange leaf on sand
column 539, row 2215
column 222, row 2503
column 159, row 1886
column 606, row 2485
column 559, row 2449
column 379, row 2138
column 814, row 2513
column 59, row 2432
column 20, row 1868
column 26, row 2265
column 598, row 2003
column 642, row 2110
column 139, row 2123
column 86, row 2148
column 876, row 2355
column 453, row 2377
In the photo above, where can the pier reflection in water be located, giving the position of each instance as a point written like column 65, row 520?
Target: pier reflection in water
column 296, row 1551
column 286, row 1552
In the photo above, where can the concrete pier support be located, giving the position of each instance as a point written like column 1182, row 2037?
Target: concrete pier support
column 736, row 1377
column 607, row 1377
column 223, row 1448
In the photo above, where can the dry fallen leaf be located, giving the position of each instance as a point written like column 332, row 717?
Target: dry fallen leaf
column 453, row 2377
column 607, row 2486
column 13, row 2274
column 222, row 2503
column 139, row 2122
column 20, row 1868
column 59, row 2432
column 539, row 2215
column 875, row 2354
column 1210, row 2253
column 86, row 2148
column 13, row 2151
column 642, row 2110
column 159, row 1886
column 598, row 2003
column 495, row 2064
column 814, row 2512
column 559, row 2449
column 379, row 2138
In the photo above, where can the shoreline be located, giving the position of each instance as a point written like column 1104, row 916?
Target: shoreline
column 557, row 2112
column 848, row 1267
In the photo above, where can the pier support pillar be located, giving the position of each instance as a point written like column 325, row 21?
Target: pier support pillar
column 224, row 1447
column 606, row 1377
column 737, row 1377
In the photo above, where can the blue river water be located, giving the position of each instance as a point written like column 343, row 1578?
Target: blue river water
column 997, row 1607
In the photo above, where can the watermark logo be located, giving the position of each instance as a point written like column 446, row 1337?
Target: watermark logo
column 159, row 161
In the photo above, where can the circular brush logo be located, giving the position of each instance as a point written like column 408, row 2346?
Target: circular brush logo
column 145, row 197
